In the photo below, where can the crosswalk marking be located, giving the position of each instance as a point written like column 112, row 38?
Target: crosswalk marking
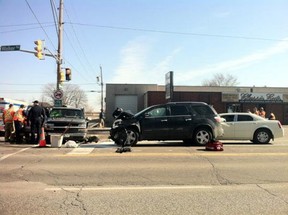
column 87, row 149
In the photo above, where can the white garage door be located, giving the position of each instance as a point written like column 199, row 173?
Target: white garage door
column 127, row 102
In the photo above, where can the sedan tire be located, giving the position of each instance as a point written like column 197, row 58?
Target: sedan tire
column 262, row 136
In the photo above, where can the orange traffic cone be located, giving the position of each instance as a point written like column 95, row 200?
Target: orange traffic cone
column 42, row 141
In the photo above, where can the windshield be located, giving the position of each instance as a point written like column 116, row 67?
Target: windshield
column 66, row 113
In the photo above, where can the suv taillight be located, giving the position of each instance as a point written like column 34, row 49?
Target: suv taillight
column 279, row 124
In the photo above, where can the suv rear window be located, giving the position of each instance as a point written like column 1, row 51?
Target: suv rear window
column 179, row 110
column 202, row 110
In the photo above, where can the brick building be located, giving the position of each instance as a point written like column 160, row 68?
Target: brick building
column 135, row 97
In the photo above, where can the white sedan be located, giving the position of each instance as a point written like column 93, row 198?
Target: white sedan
column 248, row 126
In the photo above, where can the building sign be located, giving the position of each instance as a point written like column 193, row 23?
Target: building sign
column 261, row 97
column 169, row 85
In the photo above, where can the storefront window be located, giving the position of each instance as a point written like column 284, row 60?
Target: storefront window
column 233, row 108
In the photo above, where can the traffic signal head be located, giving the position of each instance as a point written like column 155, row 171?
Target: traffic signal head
column 62, row 77
column 68, row 74
column 39, row 49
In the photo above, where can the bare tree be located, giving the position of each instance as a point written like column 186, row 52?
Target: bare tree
column 220, row 79
column 72, row 95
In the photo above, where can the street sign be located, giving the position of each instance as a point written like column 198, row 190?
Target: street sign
column 58, row 94
column 57, row 103
column 10, row 48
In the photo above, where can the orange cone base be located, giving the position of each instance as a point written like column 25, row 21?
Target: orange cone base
column 42, row 143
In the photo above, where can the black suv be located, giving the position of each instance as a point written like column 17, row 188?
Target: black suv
column 192, row 122
column 69, row 122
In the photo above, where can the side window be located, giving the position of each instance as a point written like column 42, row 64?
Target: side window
column 160, row 111
column 242, row 118
column 229, row 118
column 179, row 110
column 202, row 110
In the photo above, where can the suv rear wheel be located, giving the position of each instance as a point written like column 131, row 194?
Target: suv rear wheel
column 202, row 136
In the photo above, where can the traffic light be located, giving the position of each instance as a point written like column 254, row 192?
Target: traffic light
column 68, row 74
column 39, row 49
column 62, row 77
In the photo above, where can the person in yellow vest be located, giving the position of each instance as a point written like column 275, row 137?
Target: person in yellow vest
column 8, row 116
column 19, row 118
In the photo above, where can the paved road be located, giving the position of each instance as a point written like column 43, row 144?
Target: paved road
column 155, row 178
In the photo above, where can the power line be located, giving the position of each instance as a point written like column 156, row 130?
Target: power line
column 175, row 32
column 80, row 46
column 142, row 29
column 24, row 24
column 25, row 29
column 40, row 24
column 40, row 84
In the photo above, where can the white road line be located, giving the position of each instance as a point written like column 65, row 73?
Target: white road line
column 125, row 188
column 7, row 156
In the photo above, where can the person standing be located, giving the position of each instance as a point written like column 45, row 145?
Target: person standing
column 36, row 117
column 19, row 118
column 262, row 113
column 255, row 111
column 8, row 116
column 272, row 116
column 102, row 118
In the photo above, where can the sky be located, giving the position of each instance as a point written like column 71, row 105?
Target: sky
column 139, row 41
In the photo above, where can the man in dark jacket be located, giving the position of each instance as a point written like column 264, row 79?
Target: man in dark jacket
column 36, row 116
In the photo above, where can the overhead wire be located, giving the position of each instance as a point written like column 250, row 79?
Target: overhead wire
column 175, row 32
column 40, row 24
column 55, row 16
column 80, row 46
column 25, row 29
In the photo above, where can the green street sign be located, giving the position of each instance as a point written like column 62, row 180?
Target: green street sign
column 10, row 48
column 57, row 103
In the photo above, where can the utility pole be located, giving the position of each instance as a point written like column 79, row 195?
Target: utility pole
column 101, row 82
column 60, row 38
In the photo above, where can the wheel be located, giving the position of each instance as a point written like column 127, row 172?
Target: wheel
column 262, row 136
column 132, row 137
column 202, row 136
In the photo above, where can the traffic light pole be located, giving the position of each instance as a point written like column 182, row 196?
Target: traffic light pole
column 60, row 39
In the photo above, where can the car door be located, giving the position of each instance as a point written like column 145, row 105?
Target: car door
column 228, row 126
column 244, row 127
column 179, row 122
column 154, row 124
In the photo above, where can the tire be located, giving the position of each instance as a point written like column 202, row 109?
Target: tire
column 202, row 136
column 262, row 136
column 132, row 137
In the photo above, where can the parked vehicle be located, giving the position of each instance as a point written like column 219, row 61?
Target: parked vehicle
column 248, row 126
column 66, row 121
column 192, row 122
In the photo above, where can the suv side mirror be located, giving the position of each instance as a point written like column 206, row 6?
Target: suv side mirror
column 147, row 115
